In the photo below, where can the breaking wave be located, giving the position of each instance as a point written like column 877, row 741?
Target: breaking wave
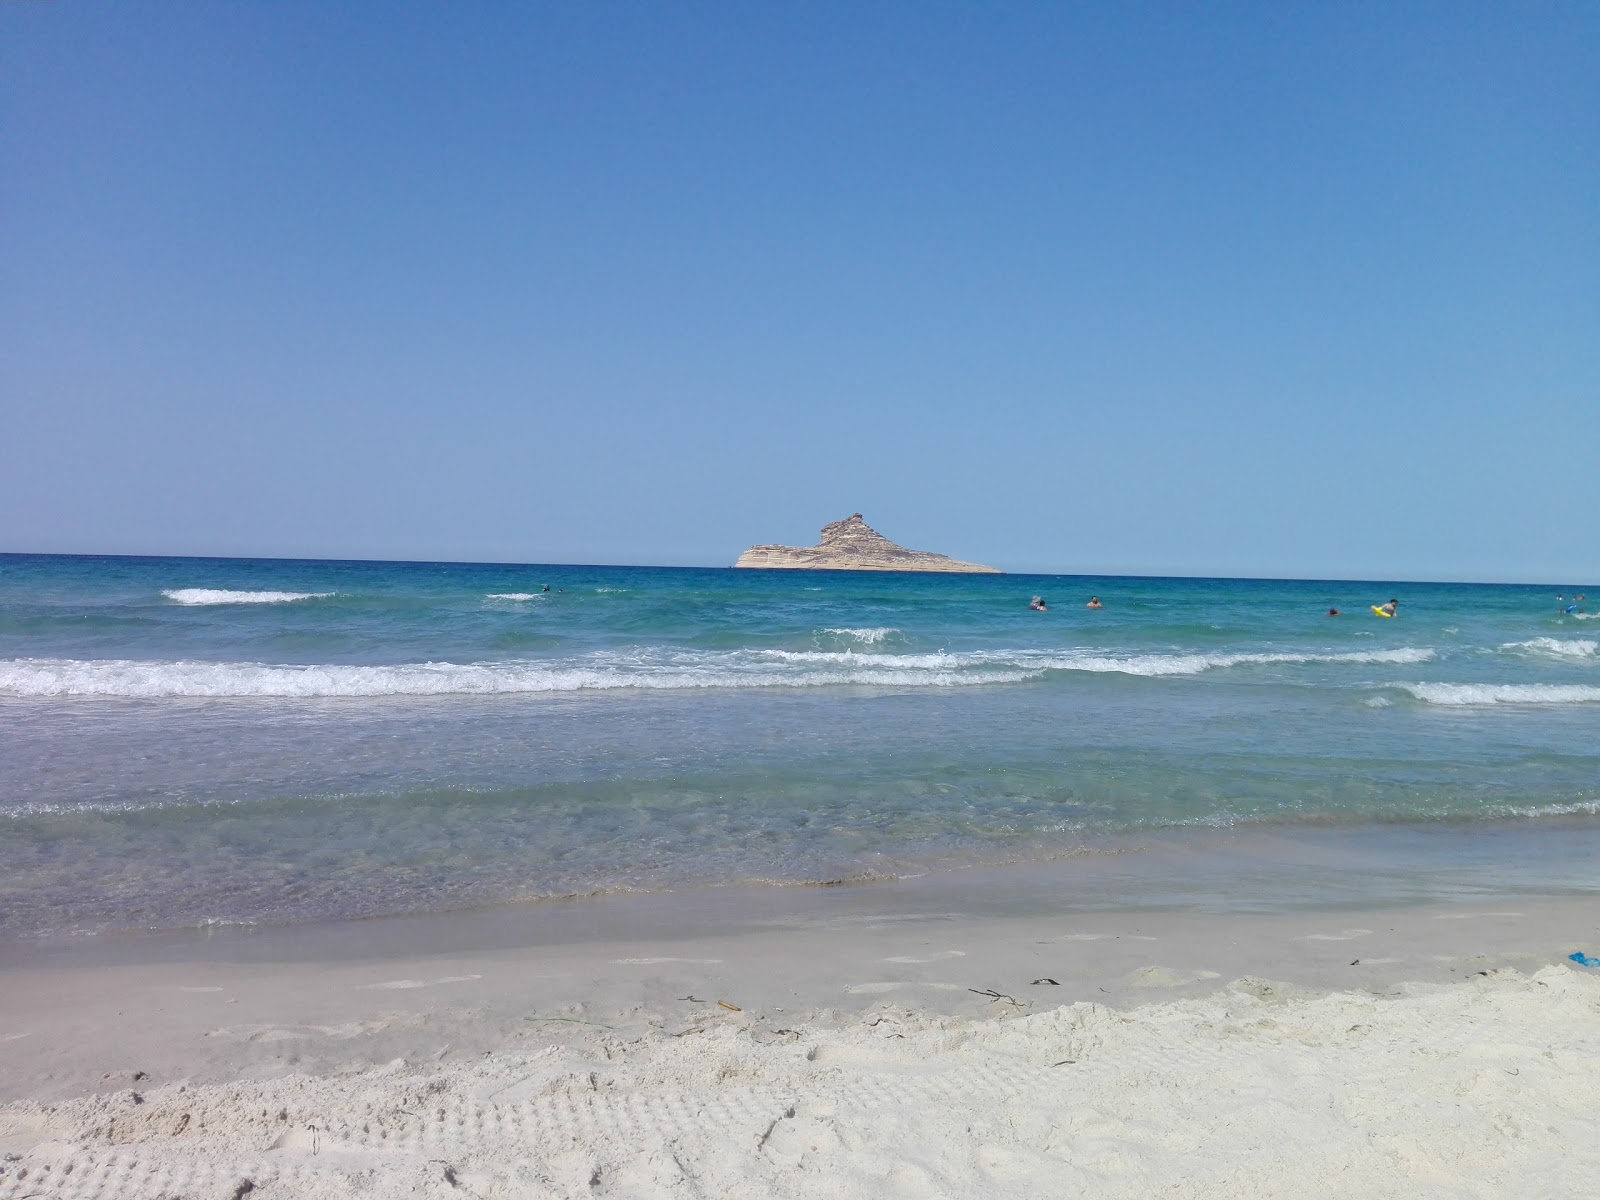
column 1039, row 661
column 1556, row 647
column 606, row 670
column 867, row 637
column 1473, row 694
column 1194, row 664
column 151, row 680
column 222, row 596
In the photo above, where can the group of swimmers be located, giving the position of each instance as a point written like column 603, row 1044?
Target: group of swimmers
column 1038, row 604
column 1383, row 610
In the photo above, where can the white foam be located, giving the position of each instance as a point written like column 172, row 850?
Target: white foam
column 153, row 680
column 223, row 596
column 1468, row 694
column 939, row 661
column 868, row 637
column 1556, row 647
column 513, row 596
column 1082, row 660
column 1194, row 664
column 642, row 668
column 1574, row 808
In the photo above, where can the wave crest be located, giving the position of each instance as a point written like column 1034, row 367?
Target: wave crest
column 163, row 680
column 224, row 596
column 1194, row 664
column 867, row 637
column 1556, row 647
column 1462, row 695
column 656, row 668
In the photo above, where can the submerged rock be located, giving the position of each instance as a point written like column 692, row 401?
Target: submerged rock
column 853, row 545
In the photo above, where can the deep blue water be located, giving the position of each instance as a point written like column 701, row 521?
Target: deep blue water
column 220, row 740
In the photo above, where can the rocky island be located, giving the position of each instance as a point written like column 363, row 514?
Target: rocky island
column 853, row 545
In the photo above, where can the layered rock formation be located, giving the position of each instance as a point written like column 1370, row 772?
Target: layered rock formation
column 853, row 545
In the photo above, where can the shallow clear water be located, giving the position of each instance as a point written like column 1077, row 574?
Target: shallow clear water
column 192, row 740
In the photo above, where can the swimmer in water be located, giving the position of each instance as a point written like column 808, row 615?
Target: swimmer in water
column 1037, row 604
column 1388, row 609
column 1333, row 612
column 1094, row 602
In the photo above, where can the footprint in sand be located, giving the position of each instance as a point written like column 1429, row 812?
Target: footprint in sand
column 869, row 989
column 396, row 985
column 1342, row 936
column 1472, row 916
column 285, row 1033
column 1167, row 977
column 906, row 958
column 1100, row 937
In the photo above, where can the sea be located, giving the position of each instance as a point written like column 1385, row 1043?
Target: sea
column 194, row 744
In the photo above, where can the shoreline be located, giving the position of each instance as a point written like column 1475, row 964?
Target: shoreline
column 1268, row 868
column 806, row 951
column 864, row 1051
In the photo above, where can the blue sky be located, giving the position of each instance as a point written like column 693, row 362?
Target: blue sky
column 1261, row 289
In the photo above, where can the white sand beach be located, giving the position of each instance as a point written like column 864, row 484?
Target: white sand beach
column 1445, row 1051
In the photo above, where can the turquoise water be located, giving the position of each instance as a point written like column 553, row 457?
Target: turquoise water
column 194, row 741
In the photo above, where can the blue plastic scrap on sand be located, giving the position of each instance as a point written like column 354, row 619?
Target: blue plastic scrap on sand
column 1584, row 960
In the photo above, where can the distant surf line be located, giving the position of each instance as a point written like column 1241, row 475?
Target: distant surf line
column 207, row 596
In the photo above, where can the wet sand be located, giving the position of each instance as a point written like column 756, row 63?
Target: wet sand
column 892, row 1040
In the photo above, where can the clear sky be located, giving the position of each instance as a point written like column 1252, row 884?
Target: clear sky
column 1264, row 289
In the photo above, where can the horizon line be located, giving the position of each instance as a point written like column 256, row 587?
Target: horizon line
column 473, row 562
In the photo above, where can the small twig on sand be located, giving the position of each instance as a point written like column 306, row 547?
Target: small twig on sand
column 768, row 1133
column 994, row 995
column 573, row 1020
column 729, row 1007
column 1048, row 980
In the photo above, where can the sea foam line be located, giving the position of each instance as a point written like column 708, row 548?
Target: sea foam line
column 159, row 680
column 223, row 596
column 1091, row 661
column 867, row 637
column 1194, row 664
column 1462, row 695
column 1556, row 647
column 646, row 667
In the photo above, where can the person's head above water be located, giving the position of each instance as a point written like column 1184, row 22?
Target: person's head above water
column 1333, row 612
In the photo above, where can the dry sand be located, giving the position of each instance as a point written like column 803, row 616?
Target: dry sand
column 852, row 1052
